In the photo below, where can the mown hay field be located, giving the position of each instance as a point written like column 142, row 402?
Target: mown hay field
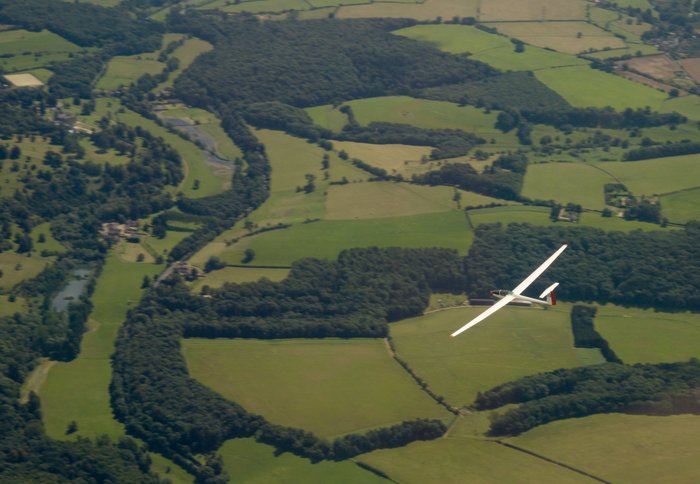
column 394, row 158
column 246, row 460
column 568, row 37
column 325, row 239
column 647, row 336
column 515, row 342
column 582, row 87
column 492, row 49
column 622, row 448
column 330, row 387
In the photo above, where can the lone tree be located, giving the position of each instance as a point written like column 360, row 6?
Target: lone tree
column 248, row 256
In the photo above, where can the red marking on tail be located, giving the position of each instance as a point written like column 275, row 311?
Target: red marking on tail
column 554, row 298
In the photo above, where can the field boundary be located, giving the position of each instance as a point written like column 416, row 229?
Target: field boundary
column 551, row 461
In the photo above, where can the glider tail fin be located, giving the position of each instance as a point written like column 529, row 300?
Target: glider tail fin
column 549, row 294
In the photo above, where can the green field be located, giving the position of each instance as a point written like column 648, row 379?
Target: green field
column 186, row 54
column 540, row 216
column 388, row 199
column 330, row 387
column 404, row 160
column 327, row 238
column 78, row 390
column 18, row 42
column 622, row 448
column 424, row 113
column 657, row 176
column 578, row 183
column 456, row 460
column 492, row 49
column 688, row 106
column 239, row 275
column 680, row 207
column 427, row 10
column 514, row 343
column 328, row 116
column 8, row 308
column 248, row 461
column 567, row 37
column 257, row 6
column 646, row 336
column 16, row 267
column 123, row 71
column 582, row 87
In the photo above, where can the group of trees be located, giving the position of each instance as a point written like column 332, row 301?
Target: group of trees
column 585, row 334
column 503, row 179
column 661, row 389
column 312, row 62
column 637, row 268
column 354, row 296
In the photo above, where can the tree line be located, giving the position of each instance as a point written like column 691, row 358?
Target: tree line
column 660, row 389
column 585, row 334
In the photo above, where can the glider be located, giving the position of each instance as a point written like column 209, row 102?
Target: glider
column 515, row 295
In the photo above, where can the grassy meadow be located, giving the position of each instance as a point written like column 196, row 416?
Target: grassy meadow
column 20, row 42
column 325, row 239
column 79, row 390
column 330, row 386
column 8, row 308
column 248, row 461
column 514, row 343
column 578, row 183
column 622, row 448
column 239, row 275
column 657, row 176
column 582, row 86
column 454, row 460
column 405, row 160
column 492, row 49
column 567, row 37
column 681, row 207
column 647, row 336
column 16, row 268
column 257, row 6
column 389, row 199
column 186, row 54
column 124, row 70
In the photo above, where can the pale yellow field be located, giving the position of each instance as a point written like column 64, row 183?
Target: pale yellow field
column 393, row 158
column 428, row 10
column 23, row 80
column 561, row 36
column 495, row 10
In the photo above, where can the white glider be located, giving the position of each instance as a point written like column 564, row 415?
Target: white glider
column 515, row 295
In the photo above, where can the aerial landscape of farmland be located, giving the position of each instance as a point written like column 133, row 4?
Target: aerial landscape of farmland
column 236, row 236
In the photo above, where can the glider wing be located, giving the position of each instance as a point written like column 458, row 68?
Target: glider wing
column 485, row 314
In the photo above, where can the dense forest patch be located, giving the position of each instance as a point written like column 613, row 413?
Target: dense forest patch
column 311, row 63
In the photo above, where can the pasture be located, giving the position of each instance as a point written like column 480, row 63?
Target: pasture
column 540, row 216
column 257, row 6
column 388, row 199
column 492, row 49
column 427, row 10
column 622, row 448
column 8, row 308
column 328, row 116
column 405, row 160
column 682, row 206
column 688, row 106
column 79, row 390
column 16, row 267
column 578, row 183
column 658, row 175
column 454, row 460
column 647, row 336
column 325, row 239
column 330, row 387
column 567, row 37
column 49, row 242
column 21, row 42
column 122, row 71
column 245, row 460
column 513, row 343
column 238, row 275
column 186, row 54
column 582, row 87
